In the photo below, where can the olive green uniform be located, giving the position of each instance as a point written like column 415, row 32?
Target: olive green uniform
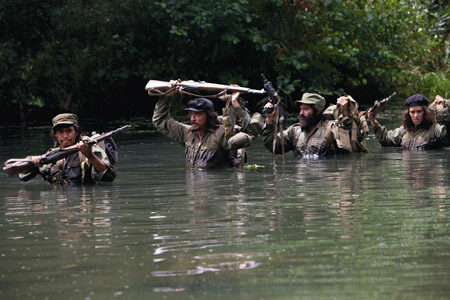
column 349, row 132
column 436, row 136
column 335, row 133
column 417, row 139
column 74, row 169
column 302, row 143
column 212, row 150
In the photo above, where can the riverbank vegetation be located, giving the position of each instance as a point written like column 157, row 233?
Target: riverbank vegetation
column 94, row 57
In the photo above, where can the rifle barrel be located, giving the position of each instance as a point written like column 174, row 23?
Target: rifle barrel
column 202, row 86
column 13, row 166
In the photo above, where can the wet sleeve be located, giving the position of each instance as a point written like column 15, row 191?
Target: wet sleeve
column 239, row 140
column 36, row 170
column 242, row 117
column 109, row 174
column 28, row 176
column 442, row 135
column 443, row 115
column 165, row 124
column 389, row 138
column 288, row 136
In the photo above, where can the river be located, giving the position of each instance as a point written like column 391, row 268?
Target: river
column 359, row 226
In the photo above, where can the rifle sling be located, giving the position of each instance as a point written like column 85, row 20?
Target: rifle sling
column 328, row 135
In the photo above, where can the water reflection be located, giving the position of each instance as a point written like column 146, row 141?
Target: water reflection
column 428, row 179
column 317, row 228
column 209, row 226
column 77, row 214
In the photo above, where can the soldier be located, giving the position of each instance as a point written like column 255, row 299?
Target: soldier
column 419, row 131
column 441, row 108
column 348, row 126
column 236, row 119
column 89, row 165
column 313, row 136
column 205, row 141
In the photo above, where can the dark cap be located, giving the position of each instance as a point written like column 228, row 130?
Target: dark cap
column 64, row 119
column 416, row 100
column 199, row 104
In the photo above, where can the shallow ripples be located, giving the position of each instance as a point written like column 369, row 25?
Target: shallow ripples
column 358, row 226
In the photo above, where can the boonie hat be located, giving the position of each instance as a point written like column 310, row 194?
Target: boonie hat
column 312, row 99
column 199, row 104
column 416, row 100
column 64, row 119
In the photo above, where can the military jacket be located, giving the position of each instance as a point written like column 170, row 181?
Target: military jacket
column 302, row 143
column 418, row 139
column 74, row 169
column 442, row 112
column 212, row 150
column 349, row 132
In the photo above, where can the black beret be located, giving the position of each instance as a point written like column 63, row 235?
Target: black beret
column 199, row 104
column 416, row 100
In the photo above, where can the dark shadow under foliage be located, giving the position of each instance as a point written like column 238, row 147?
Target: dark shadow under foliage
column 95, row 57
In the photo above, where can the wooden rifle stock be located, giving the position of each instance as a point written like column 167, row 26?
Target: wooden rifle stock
column 14, row 166
column 155, row 87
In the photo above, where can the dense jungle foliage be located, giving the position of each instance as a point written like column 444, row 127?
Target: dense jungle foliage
column 95, row 57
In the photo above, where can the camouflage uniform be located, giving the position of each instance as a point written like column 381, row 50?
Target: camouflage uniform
column 300, row 142
column 335, row 135
column 419, row 138
column 237, row 119
column 74, row 169
column 211, row 151
column 350, row 131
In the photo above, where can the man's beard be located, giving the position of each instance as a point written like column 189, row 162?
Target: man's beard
column 307, row 122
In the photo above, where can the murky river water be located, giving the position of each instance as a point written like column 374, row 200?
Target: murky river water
column 372, row 226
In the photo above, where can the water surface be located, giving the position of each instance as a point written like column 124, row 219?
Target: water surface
column 369, row 226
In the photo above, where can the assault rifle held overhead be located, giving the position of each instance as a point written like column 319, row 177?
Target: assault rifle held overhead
column 378, row 105
column 14, row 166
column 157, row 88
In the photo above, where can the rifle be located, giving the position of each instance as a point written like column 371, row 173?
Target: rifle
column 14, row 166
column 280, row 114
column 378, row 105
column 155, row 87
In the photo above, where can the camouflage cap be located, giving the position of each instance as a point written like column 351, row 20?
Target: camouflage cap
column 64, row 119
column 312, row 99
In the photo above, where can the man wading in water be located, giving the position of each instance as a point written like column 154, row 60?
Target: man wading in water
column 205, row 142
column 314, row 135
column 91, row 164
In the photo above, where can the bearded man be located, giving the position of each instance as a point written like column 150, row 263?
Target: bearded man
column 309, row 137
column 312, row 136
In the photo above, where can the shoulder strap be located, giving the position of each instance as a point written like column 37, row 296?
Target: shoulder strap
column 216, row 140
column 328, row 135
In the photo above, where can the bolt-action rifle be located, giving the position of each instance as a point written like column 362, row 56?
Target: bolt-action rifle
column 14, row 166
column 157, row 87
column 378, row 105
